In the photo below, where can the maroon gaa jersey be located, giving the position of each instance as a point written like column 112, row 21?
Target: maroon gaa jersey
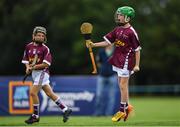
column 126, row 43
column 42, row 51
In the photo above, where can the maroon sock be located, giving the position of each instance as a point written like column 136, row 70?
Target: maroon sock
column 36, row 109
column 60, row 104
column 122, row 106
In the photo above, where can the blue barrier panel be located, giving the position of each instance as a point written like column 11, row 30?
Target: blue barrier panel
column 14, row 96
column 78, row 92
column 4, row 105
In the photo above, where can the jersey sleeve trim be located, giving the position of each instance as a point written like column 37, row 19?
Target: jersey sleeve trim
column 45, row 61
column 25, row 62
column 106, row 40
column 138, row 48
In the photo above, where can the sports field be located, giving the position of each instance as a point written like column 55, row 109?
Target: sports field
column 149, row 111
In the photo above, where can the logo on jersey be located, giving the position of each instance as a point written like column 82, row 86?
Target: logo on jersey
column 119, row 43
column 19, row 98
column 34, row 51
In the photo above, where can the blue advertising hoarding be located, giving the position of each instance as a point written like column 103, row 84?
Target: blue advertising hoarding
column 78, row 92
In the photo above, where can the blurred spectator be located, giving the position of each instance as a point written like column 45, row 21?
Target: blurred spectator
column 106, row 84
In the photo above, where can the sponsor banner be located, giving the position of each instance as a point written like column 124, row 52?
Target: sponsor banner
column 20, row 101
column 78, row 92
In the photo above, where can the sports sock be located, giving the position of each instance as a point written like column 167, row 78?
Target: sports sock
column 36, row 110
column 122, row 106
column 62, row 106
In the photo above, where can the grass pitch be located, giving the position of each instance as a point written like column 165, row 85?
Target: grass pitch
column 149, row 111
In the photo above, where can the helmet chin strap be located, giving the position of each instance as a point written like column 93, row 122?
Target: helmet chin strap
column 122, row 24
column 126, row 19
column 37, row 41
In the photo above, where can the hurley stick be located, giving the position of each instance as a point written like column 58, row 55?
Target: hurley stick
column 86, row 30
column 33, row 64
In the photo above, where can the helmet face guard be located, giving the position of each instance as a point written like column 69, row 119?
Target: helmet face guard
column 127, row 11
column 40, row 29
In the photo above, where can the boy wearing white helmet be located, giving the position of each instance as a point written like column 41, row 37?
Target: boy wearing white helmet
column 40, row 73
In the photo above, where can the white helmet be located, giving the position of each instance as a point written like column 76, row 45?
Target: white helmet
column 41, row 30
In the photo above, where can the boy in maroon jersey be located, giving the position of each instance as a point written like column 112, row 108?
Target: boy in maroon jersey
column 40, row 73
column 126, row 57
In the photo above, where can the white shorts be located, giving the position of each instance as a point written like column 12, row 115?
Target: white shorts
column 122, row 72
column 40, row 77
